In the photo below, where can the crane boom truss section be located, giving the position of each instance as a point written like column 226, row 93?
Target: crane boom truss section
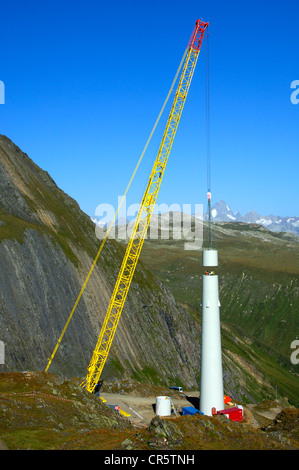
column 143, row 218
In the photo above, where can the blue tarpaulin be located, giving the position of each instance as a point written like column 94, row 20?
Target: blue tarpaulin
column 190, row 410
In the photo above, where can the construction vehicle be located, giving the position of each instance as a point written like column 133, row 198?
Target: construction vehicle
column 178, row 389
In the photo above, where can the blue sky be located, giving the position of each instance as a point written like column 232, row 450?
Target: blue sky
column 85, row 81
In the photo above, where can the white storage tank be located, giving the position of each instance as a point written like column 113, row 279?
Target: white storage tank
column 210, row 258
column 163, row 406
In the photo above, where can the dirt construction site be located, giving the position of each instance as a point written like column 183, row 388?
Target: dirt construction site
column 143, row 409
column 140, row 402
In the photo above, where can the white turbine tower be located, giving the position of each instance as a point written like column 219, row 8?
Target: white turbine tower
column 211, row 376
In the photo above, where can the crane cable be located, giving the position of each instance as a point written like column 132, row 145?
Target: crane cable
column 116, row 213
column 211, row 243
column 207, row 83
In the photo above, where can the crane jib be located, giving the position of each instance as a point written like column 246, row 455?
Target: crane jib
column 143, row 218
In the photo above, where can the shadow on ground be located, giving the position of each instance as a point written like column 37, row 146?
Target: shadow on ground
column 194, row 401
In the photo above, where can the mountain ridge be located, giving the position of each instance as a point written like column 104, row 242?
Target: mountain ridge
column 222, row 212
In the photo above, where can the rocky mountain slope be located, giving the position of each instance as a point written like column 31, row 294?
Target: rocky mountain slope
column 47, row 245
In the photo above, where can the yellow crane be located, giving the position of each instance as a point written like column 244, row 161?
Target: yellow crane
column 143, row 217
column 138, row 234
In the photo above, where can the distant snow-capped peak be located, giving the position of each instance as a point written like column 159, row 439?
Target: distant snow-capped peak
column 222, row 212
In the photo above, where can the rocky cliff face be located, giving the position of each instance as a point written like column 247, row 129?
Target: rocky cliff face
column 47, row 245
